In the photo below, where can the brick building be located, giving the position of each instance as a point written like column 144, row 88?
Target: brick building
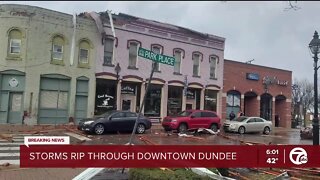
column 257, row 91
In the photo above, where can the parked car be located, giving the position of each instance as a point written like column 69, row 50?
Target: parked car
column 245, row 124
column 114, row 121
column 192, row 119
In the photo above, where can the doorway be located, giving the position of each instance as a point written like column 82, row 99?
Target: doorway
column 15, row 107
column 128, row 103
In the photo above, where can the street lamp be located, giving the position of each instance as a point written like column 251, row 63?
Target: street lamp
column 314, row 46
column 117, row 69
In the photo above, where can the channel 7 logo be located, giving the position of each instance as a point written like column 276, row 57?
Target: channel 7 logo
column 298, row 156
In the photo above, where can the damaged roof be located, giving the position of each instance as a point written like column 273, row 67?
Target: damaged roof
column 122, row 19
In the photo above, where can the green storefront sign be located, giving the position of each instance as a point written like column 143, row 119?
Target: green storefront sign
column 159, row 58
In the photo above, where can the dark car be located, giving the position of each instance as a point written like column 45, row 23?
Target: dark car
column 114, row 121
column 192, row 119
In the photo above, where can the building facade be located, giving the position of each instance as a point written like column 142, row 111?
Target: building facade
column 198, row 68
column 47, row 63
column 257, row 91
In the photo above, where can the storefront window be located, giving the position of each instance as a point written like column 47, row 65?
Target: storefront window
column 105, row 96
column 210, row 100
column 233, row 102
column 153, row 101
column 174, row 100
column 194, row 95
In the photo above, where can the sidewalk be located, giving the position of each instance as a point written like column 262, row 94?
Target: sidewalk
column 40, row 173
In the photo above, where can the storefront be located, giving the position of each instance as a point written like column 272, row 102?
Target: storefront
column 152, row 106
column 257, row 91
column 130, row 96
column 105, row 95
column 12, row 87
column 174, row 100
column 210, row 100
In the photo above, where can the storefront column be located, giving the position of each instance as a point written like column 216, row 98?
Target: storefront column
column 242, row 102
column 273, row 111
column 164, row 100
column 257, row 110
column 143, row 91
column 219, row 103
column 202, row 101
column 118, row 95
column 184, row 102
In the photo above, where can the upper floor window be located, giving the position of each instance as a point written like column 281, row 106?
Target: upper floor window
column 158, row 50
column 177, row 64
column 213, row 65
column 196, row 64
column 57, row 48
column 108, row 51
column 84, row 47
column 133, row 54
column 15, row 37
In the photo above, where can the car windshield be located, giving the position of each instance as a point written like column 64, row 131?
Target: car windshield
column 184, row 114
column 240, row 119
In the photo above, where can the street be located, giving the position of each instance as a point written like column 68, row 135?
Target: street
column 9, row 151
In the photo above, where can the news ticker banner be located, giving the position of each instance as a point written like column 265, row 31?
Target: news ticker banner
column 146, row 156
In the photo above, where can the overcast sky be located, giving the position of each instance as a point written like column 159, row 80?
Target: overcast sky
column 263, row 31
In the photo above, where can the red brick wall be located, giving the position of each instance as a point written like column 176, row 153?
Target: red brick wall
column 235, row 79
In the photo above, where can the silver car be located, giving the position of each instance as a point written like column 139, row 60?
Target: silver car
column 245, row 124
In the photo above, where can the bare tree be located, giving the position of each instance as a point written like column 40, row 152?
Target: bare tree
column 292, row 6
column 302, row 96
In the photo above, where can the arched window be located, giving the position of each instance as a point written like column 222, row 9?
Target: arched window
column 177, row 64
column 57, row 47
column 157, row 49
column 213, row 66
column 133, row 54
column 15, row 37
column 84, row 52
column 196, row 64
column 108, row 51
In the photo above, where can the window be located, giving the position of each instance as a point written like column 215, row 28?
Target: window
column 197, row 114
column 153, row 101
column 133, row 54
column 174, row 100
column 210, row 100
column 213, row 64
column 15, row 37
column 208, row 114
column 84, row 52
column 15, row 46
column 157, row 50
column 177, row 64
column 130, row 114
column 196, row 58
column 54, row 99
column 108, row 51
column 259, row 120
column 250, row 121
column 233, row 102
column 83, row 56
column 119, row 115
column 57, row 48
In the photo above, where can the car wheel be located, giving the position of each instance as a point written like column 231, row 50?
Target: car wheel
column 266, row 130
column 182, row 128
column 241, row 130
column 141, row 129
column 214, row 127
column 99, row 129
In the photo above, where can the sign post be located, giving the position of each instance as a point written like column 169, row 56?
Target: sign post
column 156, row 58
